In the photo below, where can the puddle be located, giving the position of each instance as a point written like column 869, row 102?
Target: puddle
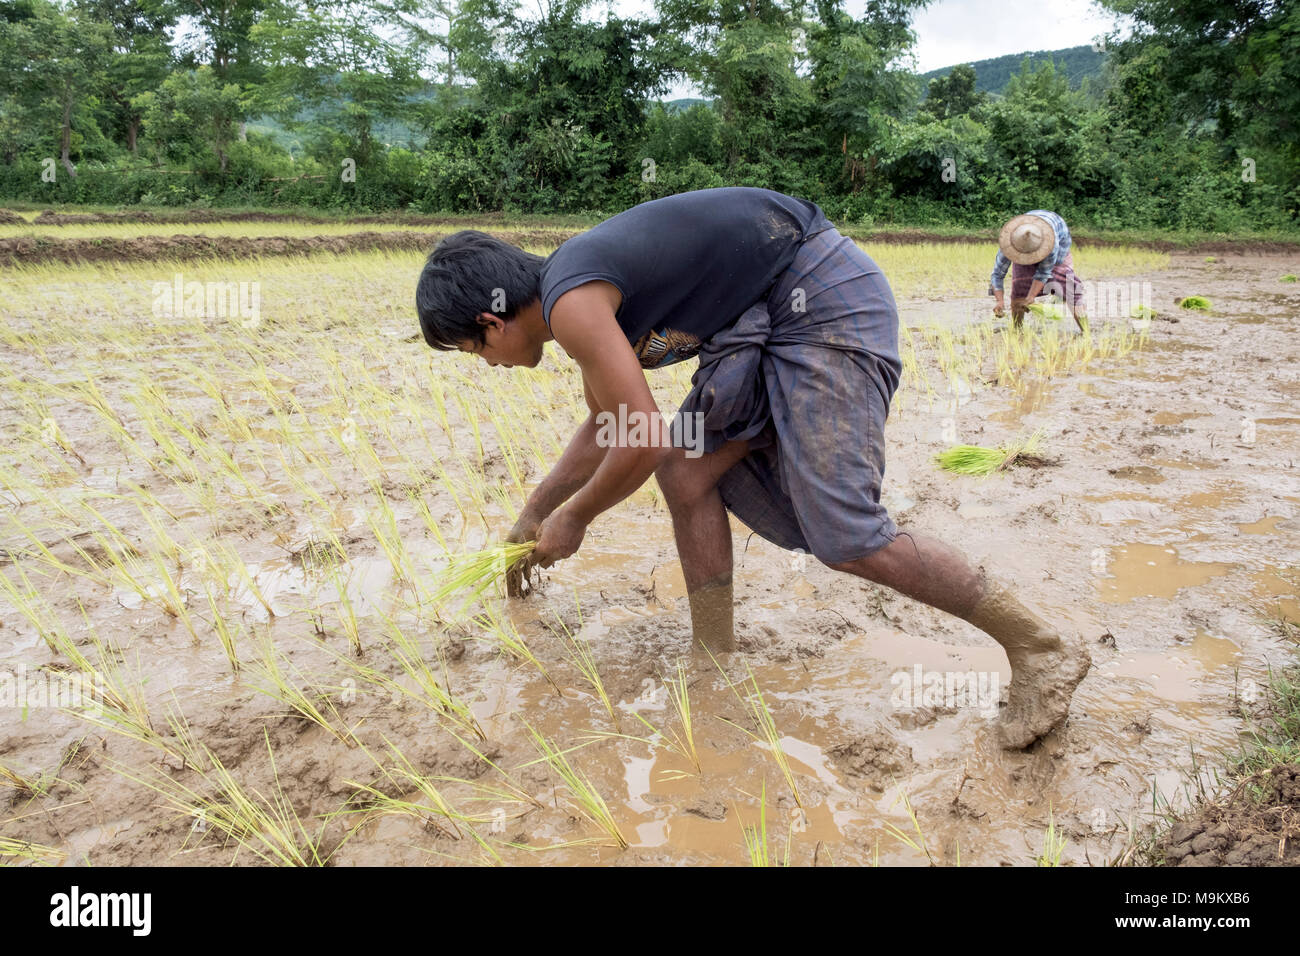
column 1153, row 570
column 1279, row 591
column 1262, row 526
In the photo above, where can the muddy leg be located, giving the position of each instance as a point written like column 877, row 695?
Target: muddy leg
column 1044, row 669
column 690, row 487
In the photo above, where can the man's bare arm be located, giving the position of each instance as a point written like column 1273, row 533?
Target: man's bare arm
column 574, row 469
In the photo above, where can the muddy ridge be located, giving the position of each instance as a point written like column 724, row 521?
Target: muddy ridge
column 33, row 250
column 1239, row 830
column 49, row 217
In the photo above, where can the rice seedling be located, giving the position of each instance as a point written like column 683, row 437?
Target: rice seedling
column 277, row 677
column 756, row 843
column 432, row 807
column 1198, row 302
column 423, row 684
column 680, row 742
column 36, row 854
column 506, row 636
column 473, row 573
column 12, row 779
column 580, row 656
column 1289, row 277
column 915, row 840
column 761, row 715
column 1054, row 842
column 982, row 462
column 679, row 696
column 267, row 826
column 1143, row 313
column 1050, row 311
column 586, row 799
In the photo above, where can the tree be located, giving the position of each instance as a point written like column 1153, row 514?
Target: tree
column 336, row 60
column 139, row 55
column 954, row 94
column 859, row 82
column 193, row 109
column 53, row 62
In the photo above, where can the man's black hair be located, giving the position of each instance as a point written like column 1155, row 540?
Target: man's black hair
column 466, row 274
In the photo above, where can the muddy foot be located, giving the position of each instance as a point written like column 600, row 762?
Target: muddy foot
column 1042, row 684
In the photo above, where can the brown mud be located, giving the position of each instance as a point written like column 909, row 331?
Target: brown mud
column 21, row 250
column 1169, row 582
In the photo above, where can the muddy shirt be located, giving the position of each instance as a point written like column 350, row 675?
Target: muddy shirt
column 687, row 265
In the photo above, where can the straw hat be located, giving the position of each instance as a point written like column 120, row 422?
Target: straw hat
column 1027, row 239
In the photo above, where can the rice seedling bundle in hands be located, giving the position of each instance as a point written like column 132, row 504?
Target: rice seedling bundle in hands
column 473, row 573
column 1198, row 302
column 975, row 460
column 1052, row 311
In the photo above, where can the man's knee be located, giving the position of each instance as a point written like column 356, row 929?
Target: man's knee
column 682, row 480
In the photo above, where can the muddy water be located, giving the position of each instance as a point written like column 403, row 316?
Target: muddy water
column 1168, row 538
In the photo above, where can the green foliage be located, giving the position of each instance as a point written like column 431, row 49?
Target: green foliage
column 483, row 105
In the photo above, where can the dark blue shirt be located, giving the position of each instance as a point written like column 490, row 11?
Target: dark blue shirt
column 687, row 265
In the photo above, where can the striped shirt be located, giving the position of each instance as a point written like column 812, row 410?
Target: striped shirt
column 1043, row 273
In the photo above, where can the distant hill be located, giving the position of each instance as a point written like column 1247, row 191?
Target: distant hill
column 683, row 104
column 991, row 76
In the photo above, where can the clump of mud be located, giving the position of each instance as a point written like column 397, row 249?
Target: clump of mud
column 8, row 218
column 1255, row 825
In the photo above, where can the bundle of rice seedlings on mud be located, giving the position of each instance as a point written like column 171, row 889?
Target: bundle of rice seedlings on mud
column 1143, row 313
column 1289, row 277
column 975, row 460
column 1198, row 302
column 473, row 573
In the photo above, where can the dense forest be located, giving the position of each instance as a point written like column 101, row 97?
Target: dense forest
column 483, row 105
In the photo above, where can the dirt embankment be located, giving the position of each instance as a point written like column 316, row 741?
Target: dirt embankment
column 49, row 217
column 38, row 249
column 1240, row 830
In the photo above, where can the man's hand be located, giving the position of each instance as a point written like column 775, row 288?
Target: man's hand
column 525, row 529
column 559, row 536
column 999, row 306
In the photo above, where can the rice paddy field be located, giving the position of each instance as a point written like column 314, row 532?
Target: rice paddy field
column 234, row 626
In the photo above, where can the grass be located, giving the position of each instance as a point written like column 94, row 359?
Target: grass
column 585, row 798
column 1270, row 744
column 981, row 462
column 1197, row 302
column 1054, row 842
column 22, row 851
column 265, row 825
column 751, row 697
column 757, row 847
column 915, row 840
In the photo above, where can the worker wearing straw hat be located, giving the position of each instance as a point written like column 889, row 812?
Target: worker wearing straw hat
column 1036, row 247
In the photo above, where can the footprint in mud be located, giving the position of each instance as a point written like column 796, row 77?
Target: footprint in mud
column 875, row 757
